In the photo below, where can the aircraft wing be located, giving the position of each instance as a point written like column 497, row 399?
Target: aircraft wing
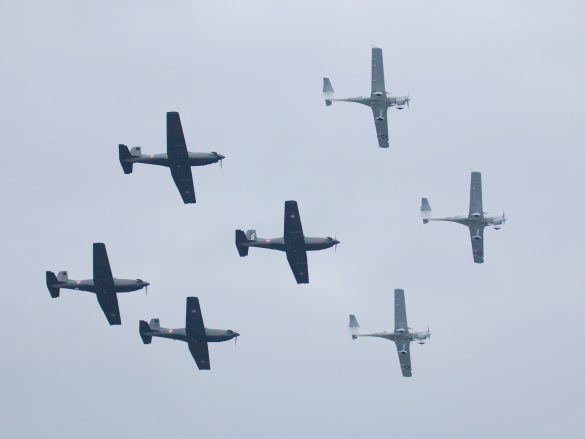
column 381, row 126
column 400, row 323
column 179, row 158
column 102, row 273
column 294, row 240
column 200, row 354
column 109, row 303
column 403, row 348
column 378, row 86
column 475, row 201
column 476, row 231
column 194, row 327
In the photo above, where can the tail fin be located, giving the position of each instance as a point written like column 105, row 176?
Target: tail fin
column 241, row 240
column 52, row 284
column 354, row 327
column 125, row 156
column 62, row 276
column 143, row 328
column 154, row 324
column 251, row 235
column 425, row 210
column 327, row 91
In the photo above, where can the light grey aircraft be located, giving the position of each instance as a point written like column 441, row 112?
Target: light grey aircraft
column 402, row 335
column 476, row 220
column 294, row 243
column 103, row 284
column 379, row 100
column 177, row 158
column 194, row 333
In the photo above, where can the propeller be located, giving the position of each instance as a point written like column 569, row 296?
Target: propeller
column 236, row 339
column 408, row 100
column 335, row 246
column 429, row 332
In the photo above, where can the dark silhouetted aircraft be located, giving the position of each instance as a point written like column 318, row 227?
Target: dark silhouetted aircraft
column 177, row 158
column 103, row 284
column 294, row 243
column 194, row 333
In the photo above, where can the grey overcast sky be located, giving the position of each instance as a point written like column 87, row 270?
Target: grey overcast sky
column 496, row 87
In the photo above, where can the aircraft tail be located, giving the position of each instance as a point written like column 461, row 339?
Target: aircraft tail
column 125, row 156
column 143, row 328
column 53, row 284
column 354, row 327
column 241, row 241
column 425, row 210
column 327, row 91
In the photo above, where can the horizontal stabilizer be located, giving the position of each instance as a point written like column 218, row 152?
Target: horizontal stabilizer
column 327, row 91
column 241, row 241
column 425, row 210
column 143, row 328
column 125, row 156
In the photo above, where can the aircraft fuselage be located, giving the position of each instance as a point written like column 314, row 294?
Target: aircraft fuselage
column 211, row 335
column 474, row 220
column 195, row 159
column 311, row 244
column 399, row 336
column 120, row 285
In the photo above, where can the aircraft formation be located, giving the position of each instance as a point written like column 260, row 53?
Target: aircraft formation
column 293, row 242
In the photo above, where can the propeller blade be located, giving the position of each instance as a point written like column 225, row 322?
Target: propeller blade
column 221, row 164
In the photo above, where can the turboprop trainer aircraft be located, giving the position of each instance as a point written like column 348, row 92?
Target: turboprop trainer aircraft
column 103, row 284
column 402, row 335
column 476, row 220
column 177, row 158
column 379, row 100
column 194, row 333
column 294, row 243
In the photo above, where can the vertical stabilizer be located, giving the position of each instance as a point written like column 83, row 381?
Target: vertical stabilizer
column 354, row 327
column 143, row 328
column 125, row 157
column 425, row 210
column 327, row 91
column 52, row 284
column 241, row 243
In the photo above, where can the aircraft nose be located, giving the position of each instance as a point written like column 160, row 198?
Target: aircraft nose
column 146, row 283
column 236, row 334
column 335, row 242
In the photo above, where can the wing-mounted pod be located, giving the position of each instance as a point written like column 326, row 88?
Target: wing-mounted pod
column 327, row 91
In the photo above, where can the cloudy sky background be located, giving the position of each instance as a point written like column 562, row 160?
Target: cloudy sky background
column 496, row 87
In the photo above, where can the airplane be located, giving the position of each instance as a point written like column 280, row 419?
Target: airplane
column 103, row 284
column 402, row 335
column 294, row 243
column 177, row 158
column 194, row 333
column 379, row 100
column 475, row 220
